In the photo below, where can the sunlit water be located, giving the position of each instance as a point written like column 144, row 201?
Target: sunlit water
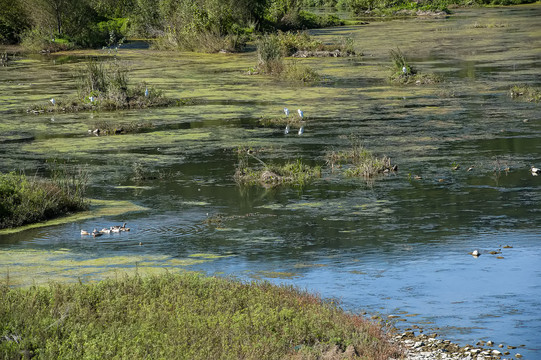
column 397, row 245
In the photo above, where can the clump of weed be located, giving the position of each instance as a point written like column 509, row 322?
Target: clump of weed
column 26, row 200
column 109, row 128
column 526, row 92
column 296, row 71
column 104, row 85
column 294, row 173
column 359, row 161
column 402, row 72
column 271, row 50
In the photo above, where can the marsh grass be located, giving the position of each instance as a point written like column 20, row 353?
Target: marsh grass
column 358, row 161
column 281, row 121
column 402, row 72
column 26, row 200
column 526, row 92
column 271, row 50
column 104, row 85
column 110, row 128
column 184, row 316
column 294, row 173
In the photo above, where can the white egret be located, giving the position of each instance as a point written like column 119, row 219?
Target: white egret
column 286, row 111
column 301, row 114
column 92, row 98
column 146, row 92
column 53, row 101
column 301, row 130
column 286, row 131
column 404, row 70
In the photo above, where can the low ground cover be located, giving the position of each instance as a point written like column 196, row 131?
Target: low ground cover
column 183, row 316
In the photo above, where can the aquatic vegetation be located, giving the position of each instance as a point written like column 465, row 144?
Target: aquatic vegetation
column 104, row 85
column 526, row 92
column 359, row 161
column 295, row 71
column 271, row 50
column 166, row 315
column 270, row 175
column 25, row 200
column 402, row 72
column 108, row 128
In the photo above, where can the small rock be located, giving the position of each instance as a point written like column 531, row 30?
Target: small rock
column 490, row 343
column 511, row 347
column 476, row 253
column 496, row 353
column 418, row 344
column 500, row 346
column 518, row 355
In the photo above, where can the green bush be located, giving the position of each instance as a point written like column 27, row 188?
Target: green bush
column 181, row 317
column 26, row 200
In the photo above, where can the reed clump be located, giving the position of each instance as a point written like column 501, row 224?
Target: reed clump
column 526, row 92
column 184, row 316
column 402, row 72
column 294, row 173
column 104, row 85
column 273, row 48
column 359, row 161
column 26, row 200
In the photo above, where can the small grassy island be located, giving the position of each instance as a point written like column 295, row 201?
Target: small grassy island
column 104, row 85
column 183, row 316
column 26, row 200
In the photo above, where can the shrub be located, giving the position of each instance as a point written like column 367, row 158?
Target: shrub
column 26, row 200
column 185, row 316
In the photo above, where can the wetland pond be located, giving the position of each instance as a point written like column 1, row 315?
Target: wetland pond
column 397, row 245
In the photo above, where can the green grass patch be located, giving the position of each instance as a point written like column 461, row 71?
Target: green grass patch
column 294, row 173
column 104, row 85
column 26, row 200
column 402, row 72
column 359, row 161
column 273, row 48
column 185, row 316
column 525, row 92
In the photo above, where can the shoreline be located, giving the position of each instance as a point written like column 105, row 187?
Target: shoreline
column 427, row 347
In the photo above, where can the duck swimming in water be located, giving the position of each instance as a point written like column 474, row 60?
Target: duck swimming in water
column 84, row 232
column 96, row 233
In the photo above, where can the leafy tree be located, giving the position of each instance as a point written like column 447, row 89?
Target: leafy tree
column 13, row 20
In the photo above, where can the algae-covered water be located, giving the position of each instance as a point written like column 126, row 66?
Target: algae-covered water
column 396, row 245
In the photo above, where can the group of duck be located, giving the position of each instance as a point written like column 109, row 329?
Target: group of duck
column 112, row 229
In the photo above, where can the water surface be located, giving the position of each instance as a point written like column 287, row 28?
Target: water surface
column 396, row 245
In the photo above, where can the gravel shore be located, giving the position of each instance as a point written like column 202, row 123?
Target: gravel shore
column 428, row 347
